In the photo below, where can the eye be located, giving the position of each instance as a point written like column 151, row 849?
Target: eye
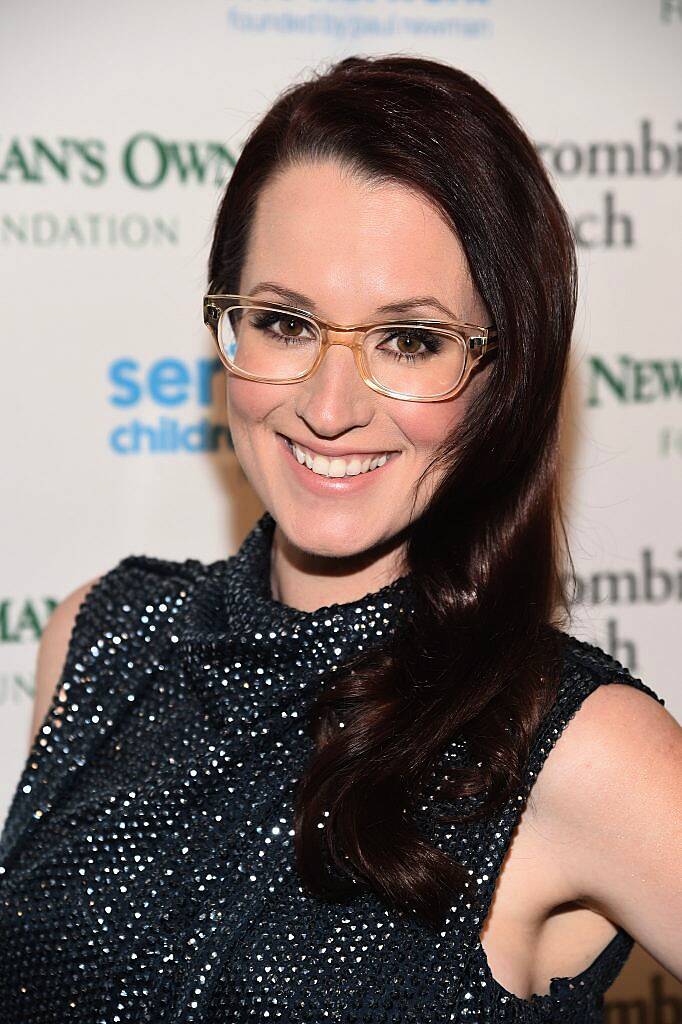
column 410, row 343
column 281, row 325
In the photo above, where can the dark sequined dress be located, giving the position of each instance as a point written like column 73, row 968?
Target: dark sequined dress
column 146, row 866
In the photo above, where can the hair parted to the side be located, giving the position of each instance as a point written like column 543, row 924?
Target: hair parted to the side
column 480, row 659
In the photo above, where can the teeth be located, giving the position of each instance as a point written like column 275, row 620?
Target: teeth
column 337, row 467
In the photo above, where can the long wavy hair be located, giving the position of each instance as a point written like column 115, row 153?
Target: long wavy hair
column 480, row 658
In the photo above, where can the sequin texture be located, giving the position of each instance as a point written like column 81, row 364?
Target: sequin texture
column 146, row 864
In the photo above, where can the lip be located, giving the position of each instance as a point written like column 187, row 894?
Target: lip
column 338, row 455
column 329, row 484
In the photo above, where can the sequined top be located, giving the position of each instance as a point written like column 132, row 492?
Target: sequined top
column 146, row 864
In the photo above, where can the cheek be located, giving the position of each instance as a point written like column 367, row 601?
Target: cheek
column 248, row 407
column 426, row 424
column 249, row 402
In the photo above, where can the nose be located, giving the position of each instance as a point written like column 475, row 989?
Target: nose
column 335, row 399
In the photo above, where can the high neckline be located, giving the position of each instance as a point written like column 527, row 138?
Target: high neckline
column 232, row 609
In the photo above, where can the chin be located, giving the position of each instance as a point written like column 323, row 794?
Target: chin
column 330, row 536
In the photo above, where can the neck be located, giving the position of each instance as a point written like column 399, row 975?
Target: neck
column 308, row 581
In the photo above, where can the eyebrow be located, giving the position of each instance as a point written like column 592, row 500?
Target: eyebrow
column 404, row 306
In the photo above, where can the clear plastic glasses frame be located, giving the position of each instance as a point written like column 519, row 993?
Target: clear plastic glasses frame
column 476, row 340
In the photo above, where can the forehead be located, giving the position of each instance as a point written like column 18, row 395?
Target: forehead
column 353, row 244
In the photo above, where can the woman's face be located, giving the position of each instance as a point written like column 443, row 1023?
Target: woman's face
column 350, row 248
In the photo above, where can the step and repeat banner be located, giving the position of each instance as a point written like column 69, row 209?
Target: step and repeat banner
column 120, row 127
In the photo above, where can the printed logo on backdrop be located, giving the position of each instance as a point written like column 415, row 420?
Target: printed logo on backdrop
column 145, row 161
column 166, row 391
column 163, row 406
column 630, row 381
column 651, row 582
column 22, row 621
column 624, row 380
column 148, row 162
column 355, row 19
column 647, row 154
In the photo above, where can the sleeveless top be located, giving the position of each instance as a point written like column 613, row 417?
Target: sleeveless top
column 146, row 863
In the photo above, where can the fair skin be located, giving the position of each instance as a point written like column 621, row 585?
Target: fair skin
column 572, row 872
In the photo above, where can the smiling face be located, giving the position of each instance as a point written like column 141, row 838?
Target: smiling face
column 348, row 247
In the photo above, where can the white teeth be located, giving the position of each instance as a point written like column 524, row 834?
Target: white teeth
column 337, row 467
column 354, row 467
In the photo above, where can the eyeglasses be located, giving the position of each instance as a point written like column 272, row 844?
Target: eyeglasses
column 413, row 360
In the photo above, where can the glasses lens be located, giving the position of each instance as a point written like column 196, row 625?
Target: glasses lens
column 268, row 342
column 415, row 361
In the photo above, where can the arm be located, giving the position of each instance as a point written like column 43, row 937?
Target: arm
column 611, row 797
column 52, row 650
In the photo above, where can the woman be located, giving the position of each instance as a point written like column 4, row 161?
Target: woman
column 285, row 786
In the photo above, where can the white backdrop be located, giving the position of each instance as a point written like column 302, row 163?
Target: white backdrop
column 120, row 125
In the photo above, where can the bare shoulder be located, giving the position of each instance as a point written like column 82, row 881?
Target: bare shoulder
column 52, row 650
column 618, row 728
column 609, row 800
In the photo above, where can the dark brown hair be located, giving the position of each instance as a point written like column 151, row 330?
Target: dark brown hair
column 480, row 659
